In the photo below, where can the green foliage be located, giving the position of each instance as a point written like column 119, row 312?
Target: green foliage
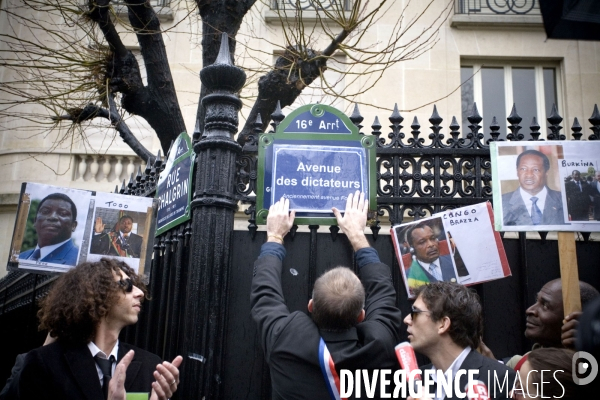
column 591, row 171
column 30, row 238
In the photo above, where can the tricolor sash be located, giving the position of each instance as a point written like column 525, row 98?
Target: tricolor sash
column 332, row 380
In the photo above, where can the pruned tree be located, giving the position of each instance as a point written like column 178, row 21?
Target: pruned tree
column 71, row 71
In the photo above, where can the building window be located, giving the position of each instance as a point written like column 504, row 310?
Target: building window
column 531, row 88
column 153, row 3
column 310, row 4
column 324, row 91
column 495, row 7
column 161, row 7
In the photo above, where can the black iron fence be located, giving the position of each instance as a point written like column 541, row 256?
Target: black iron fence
column 202, row 270
column 497, row 7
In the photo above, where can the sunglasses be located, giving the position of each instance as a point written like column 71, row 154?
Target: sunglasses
column 126, row 284
column 415, row 311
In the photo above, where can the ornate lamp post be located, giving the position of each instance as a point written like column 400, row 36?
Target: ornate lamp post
column 214, row 206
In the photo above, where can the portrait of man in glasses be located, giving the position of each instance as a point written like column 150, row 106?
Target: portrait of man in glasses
column 85, row 310
column 119, row 242
column 54, row 223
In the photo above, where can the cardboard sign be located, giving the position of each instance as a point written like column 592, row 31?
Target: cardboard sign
column 58, row 228
column 315, row 159
column 459, row 245
column 546, row 186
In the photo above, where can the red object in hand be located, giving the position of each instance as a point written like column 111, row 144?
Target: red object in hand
column 406, row 357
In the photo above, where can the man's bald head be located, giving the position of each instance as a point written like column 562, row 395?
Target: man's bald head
column 545, row 316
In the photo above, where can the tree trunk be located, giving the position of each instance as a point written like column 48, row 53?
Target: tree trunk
column 218, row 17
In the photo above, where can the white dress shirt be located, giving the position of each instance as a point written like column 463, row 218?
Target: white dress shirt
column 527, row 199
column 95, row 350
column 436, row 266
column 454, row 368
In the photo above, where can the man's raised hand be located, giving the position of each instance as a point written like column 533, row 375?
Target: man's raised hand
column 98, row 225
column 279, row 221
column 116, row 386
column 167, row 379
column 354, row 220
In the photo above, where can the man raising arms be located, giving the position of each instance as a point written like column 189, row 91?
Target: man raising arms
column 357, row 332
column 121, row 242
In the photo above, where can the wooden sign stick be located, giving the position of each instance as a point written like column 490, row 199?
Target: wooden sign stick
column 569, row 275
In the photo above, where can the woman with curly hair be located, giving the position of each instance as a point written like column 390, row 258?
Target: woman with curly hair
column 85, row 310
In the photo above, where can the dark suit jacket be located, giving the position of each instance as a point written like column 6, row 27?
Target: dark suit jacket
column 102, row 244
column 578, row 200
column 65, row 254
column 514, row 211
column 488, row 369
column 11, row 389
column 291, row 340
column 62, row 371
column 595, row 193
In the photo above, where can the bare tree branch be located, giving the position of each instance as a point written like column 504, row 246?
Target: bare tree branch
column 67, row 58
column 218, row 17
column 300, row 65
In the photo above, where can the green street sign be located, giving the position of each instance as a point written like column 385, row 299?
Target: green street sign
column 315, row 159
column 174, row 189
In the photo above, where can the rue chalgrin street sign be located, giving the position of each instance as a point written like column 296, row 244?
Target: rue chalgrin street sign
column 174, row 190
column 315, row 159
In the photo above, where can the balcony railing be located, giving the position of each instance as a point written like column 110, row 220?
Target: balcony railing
column 497, row 7
column 308, row 5
column 161, row 7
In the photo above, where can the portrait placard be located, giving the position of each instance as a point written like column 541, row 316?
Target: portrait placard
column 50, row 229
column 58, row 228
column 315, row 159
column 122, row 228
column 459, row 245
column 546, row 186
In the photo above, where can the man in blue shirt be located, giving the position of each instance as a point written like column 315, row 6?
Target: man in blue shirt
column 354, row 321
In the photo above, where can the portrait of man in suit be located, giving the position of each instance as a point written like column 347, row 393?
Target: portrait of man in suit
column 120, row 242
column 579, row 197
column 54, row 223
column 533, row 203
column 595, row 192
column 427, row 264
